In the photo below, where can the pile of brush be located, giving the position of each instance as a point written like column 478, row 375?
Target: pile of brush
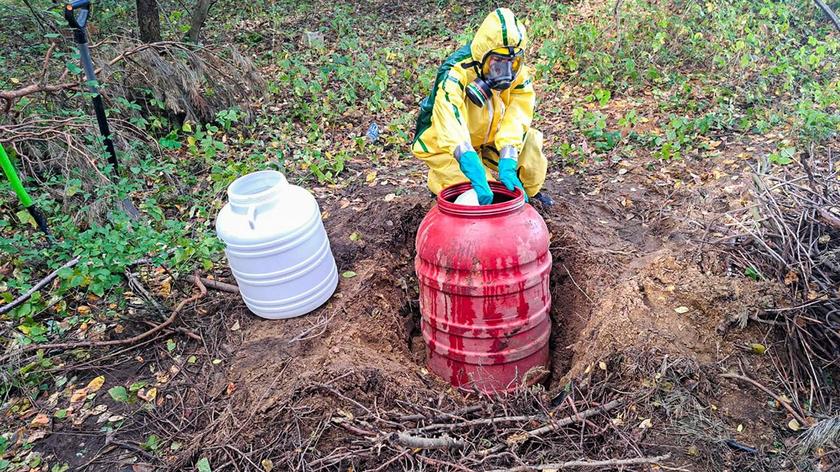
column 793, row 235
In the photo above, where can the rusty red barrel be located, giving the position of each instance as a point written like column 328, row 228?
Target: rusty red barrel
column 484, row 295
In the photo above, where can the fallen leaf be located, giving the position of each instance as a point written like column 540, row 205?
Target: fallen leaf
column 40, row 420
column 371, row 176
column 83, row 310
column 147, row 395
column 348, row 274
column 96, row 384
column 794, row 425
column 354, row 236
column 115, row 418
column 390, row 197
column 267, row 465
column 758, row 348
column 203, row 465
column 217, row 361
column 40, row 434
column 231, row 387
column 740, row 428
column 646, row 424
column 235, row 326
column 118, row 393
column 166, row 288
column 681, row 309
column 791, row 277
column 78, row 395
column 693, row 451
column 602, row 365
column 119, row 329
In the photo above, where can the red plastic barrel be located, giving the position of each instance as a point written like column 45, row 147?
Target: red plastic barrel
column 484, row 296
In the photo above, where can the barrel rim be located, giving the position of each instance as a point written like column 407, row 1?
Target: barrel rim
column 516, row 202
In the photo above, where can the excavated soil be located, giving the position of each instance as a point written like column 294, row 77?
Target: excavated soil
column 619, row 284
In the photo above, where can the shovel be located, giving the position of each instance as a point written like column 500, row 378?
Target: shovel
column 77, row 14
column 27, row 203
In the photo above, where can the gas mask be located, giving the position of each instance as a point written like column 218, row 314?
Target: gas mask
column 498, row 71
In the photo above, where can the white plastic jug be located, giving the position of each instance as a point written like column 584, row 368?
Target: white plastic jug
column 276, row 245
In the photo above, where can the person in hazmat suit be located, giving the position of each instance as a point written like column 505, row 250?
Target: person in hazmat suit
column 478, row 116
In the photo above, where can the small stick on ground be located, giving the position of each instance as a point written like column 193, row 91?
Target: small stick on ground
column 766, row 390
column 220, row 286
column 574, row 419
column 444, row 442
column 116, row 342
column 588, row 463
column 19, row 300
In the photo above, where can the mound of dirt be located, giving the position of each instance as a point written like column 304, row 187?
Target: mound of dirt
column 669, row 305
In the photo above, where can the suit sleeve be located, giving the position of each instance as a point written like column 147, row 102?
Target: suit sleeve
column 519, row 113
column 448, row 116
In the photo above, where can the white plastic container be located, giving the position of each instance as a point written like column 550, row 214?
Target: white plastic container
column 276, row 245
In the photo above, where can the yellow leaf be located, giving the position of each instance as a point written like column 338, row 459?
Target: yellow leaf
column 96, row 384
column 648, row 423
column 758, row 348
column 166, row 288
column 740, row 428
column 267, row 465
column 149, row 395
column 78, row 395
column 602, row 365
column 371, row 176
column 794, row 425
column 40, row 420
column 681, row 309
column 15, row 80
column 83, row 310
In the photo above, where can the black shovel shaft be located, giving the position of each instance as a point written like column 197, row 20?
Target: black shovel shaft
column 90, row 76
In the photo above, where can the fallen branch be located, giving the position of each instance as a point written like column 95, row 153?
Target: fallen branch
column 220, row 286
column 574, row 419
column 417, row 442
column 766, row 390
column 588, row 463
column 19, row 300
column 825, row 8
column 829, row 218
column 115, row 342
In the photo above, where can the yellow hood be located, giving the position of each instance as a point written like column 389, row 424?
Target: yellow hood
column 499, row 29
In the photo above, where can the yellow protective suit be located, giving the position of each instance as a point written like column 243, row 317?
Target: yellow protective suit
column 448, row 118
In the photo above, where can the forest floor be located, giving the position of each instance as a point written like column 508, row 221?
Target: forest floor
column 664, row 350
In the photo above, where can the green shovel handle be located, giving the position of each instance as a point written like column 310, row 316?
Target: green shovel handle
column 14, row 180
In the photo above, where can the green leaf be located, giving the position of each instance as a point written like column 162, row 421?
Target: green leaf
column 349, row 274
column 203, row 465
column 752, row 273
column 73, row 68
column 170, row 345
column 354, row 236
column 152, row 443
column 118, row 393
column 136, row 386
column 192, row 360
column 60, row 414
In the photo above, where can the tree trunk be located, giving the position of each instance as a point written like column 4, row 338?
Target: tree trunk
column 148, row 19
column 199, row 17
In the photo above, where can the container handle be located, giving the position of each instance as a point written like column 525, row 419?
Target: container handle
column 252, row 216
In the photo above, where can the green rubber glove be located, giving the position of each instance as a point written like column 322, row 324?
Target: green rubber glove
column 473, row 169
column 508, row 175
